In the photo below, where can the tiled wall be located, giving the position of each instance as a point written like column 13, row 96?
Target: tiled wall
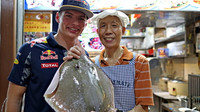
column 191, row 66
column 174, row 67
column 181, row 67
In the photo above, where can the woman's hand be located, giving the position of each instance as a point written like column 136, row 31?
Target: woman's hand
column 139, row 108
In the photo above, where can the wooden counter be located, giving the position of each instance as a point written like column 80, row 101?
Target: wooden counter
column 162, row 94
column 171, row 107
column 161, row 97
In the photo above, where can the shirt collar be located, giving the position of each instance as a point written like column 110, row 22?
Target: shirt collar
column 51, row 40
column 127, row 55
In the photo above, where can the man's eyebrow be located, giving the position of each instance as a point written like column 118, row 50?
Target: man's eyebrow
column 84, row 16
column 66, row 12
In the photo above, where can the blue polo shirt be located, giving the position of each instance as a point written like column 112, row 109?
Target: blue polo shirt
column 34, row 67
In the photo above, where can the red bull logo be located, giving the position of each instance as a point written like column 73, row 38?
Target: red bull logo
column 48, row 55
column 48, row 52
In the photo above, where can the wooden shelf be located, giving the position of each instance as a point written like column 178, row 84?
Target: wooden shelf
column 138, row 49
column 174, row 38
column 178, row 37
column 133, row 37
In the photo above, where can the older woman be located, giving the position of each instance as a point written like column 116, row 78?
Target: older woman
column 129, row 72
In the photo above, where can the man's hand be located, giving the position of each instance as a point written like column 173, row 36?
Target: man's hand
column 74, row 52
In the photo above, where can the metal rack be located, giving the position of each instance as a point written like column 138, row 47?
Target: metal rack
column 194, row 91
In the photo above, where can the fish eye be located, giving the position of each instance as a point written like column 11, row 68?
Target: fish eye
column 77, row 65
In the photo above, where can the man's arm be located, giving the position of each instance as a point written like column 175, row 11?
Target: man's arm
column 14, row 97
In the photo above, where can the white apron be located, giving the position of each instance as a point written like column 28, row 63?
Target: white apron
column 123, row 78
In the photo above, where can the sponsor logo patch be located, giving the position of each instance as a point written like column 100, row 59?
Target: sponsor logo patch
column 16, row 61
column 49, row 65
column 39, row 40
column 49, row 55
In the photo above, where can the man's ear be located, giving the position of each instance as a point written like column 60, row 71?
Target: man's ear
column 123, row 30
column 85, row 24
column 97, row 30
column 57, row 17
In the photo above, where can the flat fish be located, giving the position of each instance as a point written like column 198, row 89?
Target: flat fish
column 80, row 86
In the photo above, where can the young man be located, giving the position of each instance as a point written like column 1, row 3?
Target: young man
column 38, row 60
column 129, row 72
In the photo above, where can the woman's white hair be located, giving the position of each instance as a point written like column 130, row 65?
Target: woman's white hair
column 110, row 12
